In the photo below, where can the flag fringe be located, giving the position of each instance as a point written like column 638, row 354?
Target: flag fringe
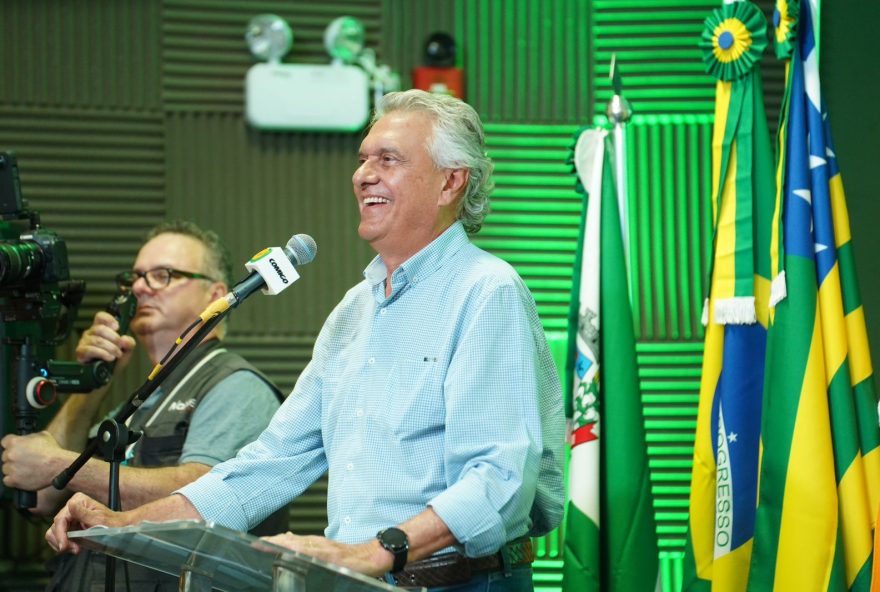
column 739, row 310
column 778, row 290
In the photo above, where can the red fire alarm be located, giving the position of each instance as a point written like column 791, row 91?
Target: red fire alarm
column 440, row 80
column 439, row 74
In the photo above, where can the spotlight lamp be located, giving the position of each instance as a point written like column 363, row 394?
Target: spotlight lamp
column 269, row 37
column 344, row 39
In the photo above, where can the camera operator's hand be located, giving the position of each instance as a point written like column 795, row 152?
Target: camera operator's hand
column 31, row 462
column 102, row 342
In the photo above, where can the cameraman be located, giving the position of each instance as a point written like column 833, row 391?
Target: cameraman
column 188, row 424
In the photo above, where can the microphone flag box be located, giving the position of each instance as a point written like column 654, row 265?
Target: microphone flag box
column 275, row 268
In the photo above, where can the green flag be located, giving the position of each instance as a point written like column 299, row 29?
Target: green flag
column 610, row 533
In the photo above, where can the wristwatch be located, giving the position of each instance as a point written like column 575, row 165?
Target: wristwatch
column 395, row 542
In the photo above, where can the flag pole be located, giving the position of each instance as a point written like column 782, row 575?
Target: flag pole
column 619, row 112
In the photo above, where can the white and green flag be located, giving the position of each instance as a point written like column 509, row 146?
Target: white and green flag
column 610, row 534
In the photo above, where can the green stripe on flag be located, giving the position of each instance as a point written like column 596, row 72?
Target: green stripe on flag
column 866, row 410
column 843, row 421
column 581, row 552
column 788, row 347
column 849, row 283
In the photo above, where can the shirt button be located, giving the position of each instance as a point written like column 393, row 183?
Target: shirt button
column 383, row 311
column 349, row 466
column 347, row 519
column 359, row 412
column 372, row 360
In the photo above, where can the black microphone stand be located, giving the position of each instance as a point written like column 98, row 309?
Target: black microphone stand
column 114, row 437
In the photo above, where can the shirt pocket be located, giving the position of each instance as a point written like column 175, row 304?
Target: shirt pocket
column 414, row 404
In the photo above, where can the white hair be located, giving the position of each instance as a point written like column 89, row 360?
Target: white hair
column 458, row 142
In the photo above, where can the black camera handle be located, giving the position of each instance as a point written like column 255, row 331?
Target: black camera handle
column 23, row 411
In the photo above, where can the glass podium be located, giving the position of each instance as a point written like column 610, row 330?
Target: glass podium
column 208, row 557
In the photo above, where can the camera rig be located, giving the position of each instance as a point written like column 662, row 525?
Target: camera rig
column 38, row 306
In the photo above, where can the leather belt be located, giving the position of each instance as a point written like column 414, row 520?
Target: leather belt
column 449, row 569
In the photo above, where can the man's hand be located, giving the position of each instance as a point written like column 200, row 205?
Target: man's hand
column 367, row 558
column 31, row 462
column 81, row 512
column 426, row 532
column 102, row 342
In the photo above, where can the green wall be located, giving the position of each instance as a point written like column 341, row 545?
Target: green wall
column 127, row 113
column 851, row 88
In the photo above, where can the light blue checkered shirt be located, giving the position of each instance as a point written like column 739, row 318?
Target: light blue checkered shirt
column 443, row 394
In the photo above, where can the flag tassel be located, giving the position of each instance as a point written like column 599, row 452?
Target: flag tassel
column 739, row 310
column 778, row 290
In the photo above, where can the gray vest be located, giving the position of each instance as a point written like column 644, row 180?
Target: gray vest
column 165, row 426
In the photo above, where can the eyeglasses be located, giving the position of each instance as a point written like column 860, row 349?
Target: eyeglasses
column 157, row 279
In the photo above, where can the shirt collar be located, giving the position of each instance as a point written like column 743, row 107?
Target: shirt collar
column 423, row 263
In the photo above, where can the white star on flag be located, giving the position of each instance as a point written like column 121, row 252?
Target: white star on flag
column 816, row 161
column 805, row 195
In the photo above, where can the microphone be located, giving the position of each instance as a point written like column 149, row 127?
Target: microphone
column 272, row 271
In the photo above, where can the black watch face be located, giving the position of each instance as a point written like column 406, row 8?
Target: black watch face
column 393, row 538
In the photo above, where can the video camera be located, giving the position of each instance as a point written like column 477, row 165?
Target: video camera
column 38, row 306
column 33, row 261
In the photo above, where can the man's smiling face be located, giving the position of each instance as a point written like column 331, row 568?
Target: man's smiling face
column 403, row 198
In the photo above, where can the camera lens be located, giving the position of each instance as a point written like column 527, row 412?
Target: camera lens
column 18, row 261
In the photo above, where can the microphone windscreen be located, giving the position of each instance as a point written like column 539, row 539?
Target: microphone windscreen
column 302, row 247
